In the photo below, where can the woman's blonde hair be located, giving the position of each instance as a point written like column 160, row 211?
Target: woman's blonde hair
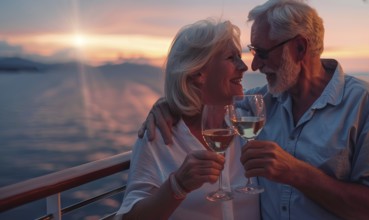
column 192, row 48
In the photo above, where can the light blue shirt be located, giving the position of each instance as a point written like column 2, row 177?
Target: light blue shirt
column 332, row 135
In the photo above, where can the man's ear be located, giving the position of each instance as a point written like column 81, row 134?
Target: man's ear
column 301, row 47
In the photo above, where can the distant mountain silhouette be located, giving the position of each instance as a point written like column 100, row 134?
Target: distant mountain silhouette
column 16, row 64
column 66, row 65
column 144, row 74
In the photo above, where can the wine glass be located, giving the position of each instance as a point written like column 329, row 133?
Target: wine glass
column 217, row 134
column 248, row 117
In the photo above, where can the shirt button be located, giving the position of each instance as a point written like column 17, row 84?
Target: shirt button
column 284, row 208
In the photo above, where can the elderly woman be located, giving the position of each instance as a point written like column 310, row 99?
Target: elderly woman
column 203, row 66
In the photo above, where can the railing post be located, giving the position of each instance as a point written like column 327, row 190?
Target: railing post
column 53, row 206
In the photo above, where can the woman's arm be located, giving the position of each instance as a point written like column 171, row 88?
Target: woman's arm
column 158, row 206
column 198, row 168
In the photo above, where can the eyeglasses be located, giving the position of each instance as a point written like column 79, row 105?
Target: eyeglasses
column 263, row 54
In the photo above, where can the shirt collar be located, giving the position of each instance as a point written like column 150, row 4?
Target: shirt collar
column 333, row 92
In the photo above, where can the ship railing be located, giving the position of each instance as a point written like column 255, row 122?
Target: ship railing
column 51, row 186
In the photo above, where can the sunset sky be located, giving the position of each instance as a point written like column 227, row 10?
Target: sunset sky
column 141, row 31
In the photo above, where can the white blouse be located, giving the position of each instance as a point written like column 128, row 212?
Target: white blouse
column 153, row 162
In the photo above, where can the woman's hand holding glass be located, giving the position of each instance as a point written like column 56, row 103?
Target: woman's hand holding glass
column 199, row 167
column 217, row 134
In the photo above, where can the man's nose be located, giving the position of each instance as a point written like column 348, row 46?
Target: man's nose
column 240, row 65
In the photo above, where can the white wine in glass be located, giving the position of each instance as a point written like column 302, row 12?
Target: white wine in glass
column 217, row 134
column 248, row 126
column 248, row 118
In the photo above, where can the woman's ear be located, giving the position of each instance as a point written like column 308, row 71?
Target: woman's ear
column 198, row 79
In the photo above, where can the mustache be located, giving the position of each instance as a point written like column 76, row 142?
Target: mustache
column 266, row 70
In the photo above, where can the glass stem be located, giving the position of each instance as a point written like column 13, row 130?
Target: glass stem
column 220, row 188
column 249, row 181
column 220, row 182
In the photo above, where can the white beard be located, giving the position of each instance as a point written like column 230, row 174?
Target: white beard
column 286, row 75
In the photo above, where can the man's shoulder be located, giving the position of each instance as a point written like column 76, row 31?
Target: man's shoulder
column 356, row 84
column 257, row 90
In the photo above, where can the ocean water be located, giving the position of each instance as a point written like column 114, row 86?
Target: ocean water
column 67, row 116
column 54, row 120
column 70, row 115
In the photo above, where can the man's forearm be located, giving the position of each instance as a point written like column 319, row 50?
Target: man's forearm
column 346, row 200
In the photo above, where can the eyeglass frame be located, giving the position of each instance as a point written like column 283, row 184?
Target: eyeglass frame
column 263, row 54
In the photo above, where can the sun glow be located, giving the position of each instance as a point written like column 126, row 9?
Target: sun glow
column 79, row 40
column 98, row 49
